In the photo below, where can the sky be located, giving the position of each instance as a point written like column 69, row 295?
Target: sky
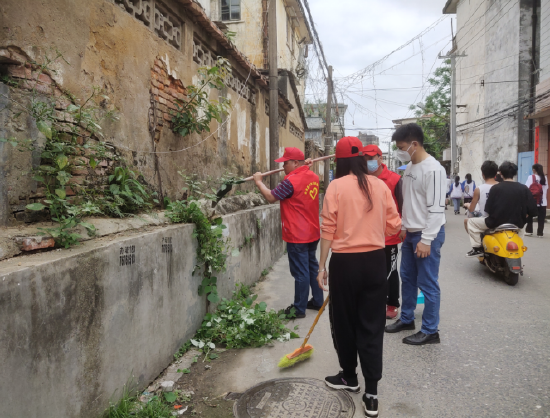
column 356, row 34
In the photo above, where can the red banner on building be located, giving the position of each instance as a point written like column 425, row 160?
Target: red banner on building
column 537, row 142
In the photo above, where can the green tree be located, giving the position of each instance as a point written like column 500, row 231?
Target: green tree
column 434, row 115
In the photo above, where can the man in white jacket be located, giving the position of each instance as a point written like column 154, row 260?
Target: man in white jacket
column 423, row 231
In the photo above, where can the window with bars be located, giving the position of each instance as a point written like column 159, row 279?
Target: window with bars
column 231, row 9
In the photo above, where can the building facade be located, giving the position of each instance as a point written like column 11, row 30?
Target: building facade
column 367, row 138
column 498, row 44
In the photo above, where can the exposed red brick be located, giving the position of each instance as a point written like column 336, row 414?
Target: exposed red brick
column 167, row 117
column 36, row 243
column 155, row 82
column 165, row 95
column 79, row 171
column 163, row 73
column 18, row 71
column 159, row 63
column 171, row 105
column 154, row 75
column 162, row 100
column 154, row 90
column 157, row 69
column 161, row 86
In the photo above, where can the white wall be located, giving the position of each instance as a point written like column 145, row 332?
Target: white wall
column 489, row 33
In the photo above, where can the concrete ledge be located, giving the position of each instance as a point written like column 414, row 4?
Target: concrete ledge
column 78, row 323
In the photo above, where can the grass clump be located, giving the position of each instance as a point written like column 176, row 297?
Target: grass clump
column 239, row 322
column 130, row 406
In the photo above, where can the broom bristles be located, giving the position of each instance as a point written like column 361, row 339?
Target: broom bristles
column 298, row 355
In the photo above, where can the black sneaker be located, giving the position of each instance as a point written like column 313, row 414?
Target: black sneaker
column 292, row 312
column 343, row 383
column 476, row 252
column 370, row 405
column 310, row 305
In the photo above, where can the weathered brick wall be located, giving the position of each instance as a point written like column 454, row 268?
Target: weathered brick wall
column 28, row 82
column 118, row 46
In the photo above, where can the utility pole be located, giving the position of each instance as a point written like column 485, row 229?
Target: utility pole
column 273, row 93
column 328, row 128
column 454, row 147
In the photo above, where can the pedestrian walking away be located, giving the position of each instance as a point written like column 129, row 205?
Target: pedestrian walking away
column 509, row 202
column 358, row 213
column 423, row 230
column 299, row 197
column 377, row 168
column 456, row 194
column 476, row 208
column 468, row 187
column 538, row 184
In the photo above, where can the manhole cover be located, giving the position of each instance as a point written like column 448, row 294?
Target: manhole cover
column 294, row 397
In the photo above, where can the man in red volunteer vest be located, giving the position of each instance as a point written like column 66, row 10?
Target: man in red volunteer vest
column 377, row 168
column 299, row 197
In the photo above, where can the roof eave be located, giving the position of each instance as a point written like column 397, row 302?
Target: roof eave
column 450, row 7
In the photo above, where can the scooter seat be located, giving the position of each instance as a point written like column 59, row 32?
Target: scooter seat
column 503, row 227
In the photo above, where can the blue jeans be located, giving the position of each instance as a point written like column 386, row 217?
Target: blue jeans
column 304, row 267
column 421, row 273
column 456, row 203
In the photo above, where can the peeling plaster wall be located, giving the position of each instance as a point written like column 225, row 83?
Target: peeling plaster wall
column 106, row 46
column 78, row 324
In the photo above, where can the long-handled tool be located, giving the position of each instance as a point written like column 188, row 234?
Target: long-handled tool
column 228, row 185
column 305, row 351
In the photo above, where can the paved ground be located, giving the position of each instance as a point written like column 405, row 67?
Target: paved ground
column 493, row 361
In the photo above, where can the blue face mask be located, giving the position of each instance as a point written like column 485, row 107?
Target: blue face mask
column 372, row 165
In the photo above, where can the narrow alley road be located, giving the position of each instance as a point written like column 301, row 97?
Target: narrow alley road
column 493, row 360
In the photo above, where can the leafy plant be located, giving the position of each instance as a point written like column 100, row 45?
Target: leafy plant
column 212, row 250
column 195, row 114
column 73, row 142
column 237, row 323
column 129, row 406
column 126, row 194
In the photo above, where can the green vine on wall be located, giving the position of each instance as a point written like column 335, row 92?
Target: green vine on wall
column 195, row 114
column 213, row 248
column 74, row 144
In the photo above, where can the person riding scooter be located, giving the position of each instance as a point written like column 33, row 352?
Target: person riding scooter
column 509, row 202
column 476, row 208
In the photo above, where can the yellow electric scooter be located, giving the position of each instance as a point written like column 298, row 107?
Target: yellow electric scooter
column 503, row 249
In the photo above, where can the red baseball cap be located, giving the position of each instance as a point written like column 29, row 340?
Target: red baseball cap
column 291, row 153
column 348, row 147
column 372, row 150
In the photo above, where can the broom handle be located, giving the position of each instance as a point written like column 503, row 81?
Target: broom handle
column 315, row 322
column 268, row 173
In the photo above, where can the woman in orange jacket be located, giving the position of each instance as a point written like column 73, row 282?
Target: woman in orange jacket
column 358, row 213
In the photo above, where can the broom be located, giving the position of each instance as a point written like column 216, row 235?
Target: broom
column 305, row 351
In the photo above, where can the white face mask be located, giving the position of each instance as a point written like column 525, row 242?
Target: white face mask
column 404, row 155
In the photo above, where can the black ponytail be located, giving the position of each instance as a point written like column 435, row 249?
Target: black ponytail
column 358, row 167
column 540, row 171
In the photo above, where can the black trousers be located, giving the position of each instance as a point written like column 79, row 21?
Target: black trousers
column 393, row 276
column 541, row 217
column 358, row 292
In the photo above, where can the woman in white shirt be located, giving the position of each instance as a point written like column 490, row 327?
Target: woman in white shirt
column 540, row 178
column 456, row 194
